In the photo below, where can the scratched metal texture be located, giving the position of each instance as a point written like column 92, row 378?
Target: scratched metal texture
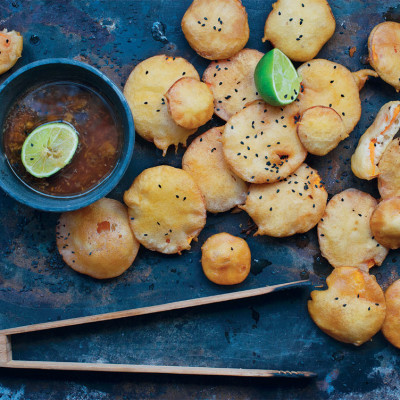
column 272, row 332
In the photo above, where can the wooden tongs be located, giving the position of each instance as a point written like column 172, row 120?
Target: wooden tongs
column 6, row 360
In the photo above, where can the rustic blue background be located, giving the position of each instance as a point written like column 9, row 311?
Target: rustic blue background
column 271, row 332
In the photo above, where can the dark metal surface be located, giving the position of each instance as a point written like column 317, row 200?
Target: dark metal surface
column 270, row 332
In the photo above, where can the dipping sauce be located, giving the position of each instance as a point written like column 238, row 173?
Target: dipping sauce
column 100, row 137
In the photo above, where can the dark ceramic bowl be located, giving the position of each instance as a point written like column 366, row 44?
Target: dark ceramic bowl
column 60, row 69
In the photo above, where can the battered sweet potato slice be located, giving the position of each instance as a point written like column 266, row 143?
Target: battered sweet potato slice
column 260, row 143
column 384, row 52
column 145, row 91
column 226, row 259
column 216, row 29
column 299, row 28
column 166, row 208
column 389, row 170
column 190, row 103
column 352, row 309
column 204, row 161
column 344, row 233
column 391, row 325
column 320, row 130
column 232, row 82
column 373, row 143
column 97, row 240
column 11, row 44
column 294, row 205
column 385, row 223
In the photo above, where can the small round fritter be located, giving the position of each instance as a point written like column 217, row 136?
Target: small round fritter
column 261, row 144
column 190, row 103
column 299, row 28
column 225, row 259
column 232, row 82
column 145, row 91
column 391, row 325
column 389, row 170
column 166, row 208
column 373, row 143
column 352, row 309
column 385, row 223
column 344, row 234
column 97, row 240
column 384, row 54
column 294, row 205
column 320, row 130
column 329, row 84
column 216, row 29
column 205, row 162
column 11, row 44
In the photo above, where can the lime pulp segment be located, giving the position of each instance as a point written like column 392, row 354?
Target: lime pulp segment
column 48, row 148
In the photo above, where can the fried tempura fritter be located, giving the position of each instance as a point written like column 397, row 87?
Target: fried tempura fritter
column 205, row 162
column 389, row 170
column 344, row 234
column 97, row 240
column 352, row 309
column 391, row 325
column 216, row 29
column 166, row 208
column 11, row 44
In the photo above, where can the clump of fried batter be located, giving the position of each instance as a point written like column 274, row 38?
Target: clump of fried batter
column 352, row 309
column 205, row 162
column 97, row 240
column 294, row 205
column 299, row 28
column 232, row 82
column 216, row 29
column 166, row 208
column 260, row 143
column 226, row 259
column 384, row 55
column 344, row 232
column 11, row 44
column 145, row 92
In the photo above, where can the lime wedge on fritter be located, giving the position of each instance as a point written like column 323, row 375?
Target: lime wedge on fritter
column 276, row 79
column 49, row 148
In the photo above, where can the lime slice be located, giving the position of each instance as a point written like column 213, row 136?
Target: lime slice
column 276, row 79
column 49, row 148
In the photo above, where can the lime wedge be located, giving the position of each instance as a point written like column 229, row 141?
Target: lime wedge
column 49, row 148
column 276, row 79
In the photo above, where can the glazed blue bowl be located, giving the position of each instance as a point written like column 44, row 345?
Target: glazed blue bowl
column 60, row 69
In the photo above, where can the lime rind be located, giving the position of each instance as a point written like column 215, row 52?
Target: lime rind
column 49, row 148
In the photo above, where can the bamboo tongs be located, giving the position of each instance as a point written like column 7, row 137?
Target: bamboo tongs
column 6, row 360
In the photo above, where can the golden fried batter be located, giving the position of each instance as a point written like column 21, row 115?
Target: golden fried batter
column 385, row 223
column 190, row 103
column 232, row 82
column 384, row 52
column 389, row 170
column 145, row 91
column 320, row 130
column 372, row 144
column 167, row 209
column 11, row 44
column 260, row 143
column 225, row 259
column 391, row 325
column 352, row 309
column 216, row 29
column 294, row 205
column 299, row 28
column 97, row 240
column 344, row 234
column 204, row 160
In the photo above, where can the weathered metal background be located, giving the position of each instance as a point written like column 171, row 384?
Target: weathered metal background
column 270, row 332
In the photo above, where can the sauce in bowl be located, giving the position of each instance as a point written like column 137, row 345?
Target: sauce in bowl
column 100, row 136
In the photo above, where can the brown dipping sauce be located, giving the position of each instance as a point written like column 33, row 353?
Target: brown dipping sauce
column 100, row 137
